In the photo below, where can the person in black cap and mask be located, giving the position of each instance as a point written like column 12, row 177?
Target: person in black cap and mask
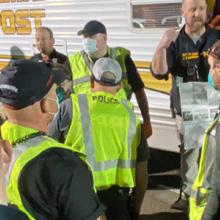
column 94, row 47
column 47, row 181
column 212, row 208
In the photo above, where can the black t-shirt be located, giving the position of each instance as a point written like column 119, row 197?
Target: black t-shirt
column 187, row 61
column 134, row 78
column 58, row 185
column 55, row 57
column 184, row 57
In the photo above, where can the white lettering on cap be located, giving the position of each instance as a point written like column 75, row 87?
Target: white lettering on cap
column 9, row 87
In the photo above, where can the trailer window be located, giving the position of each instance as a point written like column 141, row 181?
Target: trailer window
column 155, row 14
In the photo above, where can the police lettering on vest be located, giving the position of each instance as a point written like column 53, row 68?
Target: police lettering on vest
column 104, row 99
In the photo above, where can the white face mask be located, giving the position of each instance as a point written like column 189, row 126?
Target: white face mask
column 54, row 100
column 89, row 45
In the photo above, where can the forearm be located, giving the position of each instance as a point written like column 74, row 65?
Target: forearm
column 144, row 108
column 5, row 159
column 3, row 195
column 141, row 185
column 143, row 104
column 159, row 61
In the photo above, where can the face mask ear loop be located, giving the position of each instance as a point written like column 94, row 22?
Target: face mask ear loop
column 57, row 103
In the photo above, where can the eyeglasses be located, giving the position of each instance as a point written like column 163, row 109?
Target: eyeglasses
column 214, row 52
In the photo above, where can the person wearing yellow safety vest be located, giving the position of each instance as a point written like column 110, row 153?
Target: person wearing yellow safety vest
column 7, row 212
column 204, row 203
column 105, row 132
column 47, row 179
column 94, row 47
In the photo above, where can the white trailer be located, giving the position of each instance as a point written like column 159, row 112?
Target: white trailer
column 134, row 24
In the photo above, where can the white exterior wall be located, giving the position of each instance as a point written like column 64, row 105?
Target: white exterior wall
column 66, row 17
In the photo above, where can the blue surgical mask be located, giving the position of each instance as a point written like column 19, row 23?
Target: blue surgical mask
column 210, row 81
column 60, row 95
column 89, row 45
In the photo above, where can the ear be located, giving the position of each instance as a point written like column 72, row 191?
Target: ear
column 119, row 86
column 92, row 82
column 53, row 41
column 105, row 37
column 43, row 106
column 182, row 10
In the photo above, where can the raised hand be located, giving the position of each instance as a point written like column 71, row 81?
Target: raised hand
column 169, row 36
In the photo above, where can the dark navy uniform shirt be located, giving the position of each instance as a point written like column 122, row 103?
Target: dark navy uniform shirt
column 187, row 60
column 55, row 57
column 58, row 185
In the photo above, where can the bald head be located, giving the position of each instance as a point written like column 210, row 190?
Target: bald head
column 185, row 1
column 194, row 12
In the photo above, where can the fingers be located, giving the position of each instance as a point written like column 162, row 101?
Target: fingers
column 169, row 36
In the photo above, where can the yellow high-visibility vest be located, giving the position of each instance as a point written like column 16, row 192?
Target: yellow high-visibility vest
column 106, row 132
column 32, row 148
column 81, row 66
column 201, row 186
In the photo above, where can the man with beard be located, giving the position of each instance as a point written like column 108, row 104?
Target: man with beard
column 184, row 54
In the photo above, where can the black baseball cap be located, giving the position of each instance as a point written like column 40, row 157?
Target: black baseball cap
column 91, row 28
column 25, row 82
column 214, row 51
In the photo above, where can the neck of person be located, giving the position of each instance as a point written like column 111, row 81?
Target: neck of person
column 48, row 53
column 108, row 89
column 100, row 53
column 28, row 124
column 26, row 119
column 195, row 33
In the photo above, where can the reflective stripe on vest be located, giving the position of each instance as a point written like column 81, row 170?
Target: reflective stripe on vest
column 90, row 66
column 35, row 146
column 106, row 135
column 13, row 132
column 89, row 147
column 201, row 188
column 88, row 78
column 82, row 76
column 81, row 80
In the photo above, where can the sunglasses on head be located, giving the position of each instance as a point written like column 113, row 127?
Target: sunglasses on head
column 214, row 52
